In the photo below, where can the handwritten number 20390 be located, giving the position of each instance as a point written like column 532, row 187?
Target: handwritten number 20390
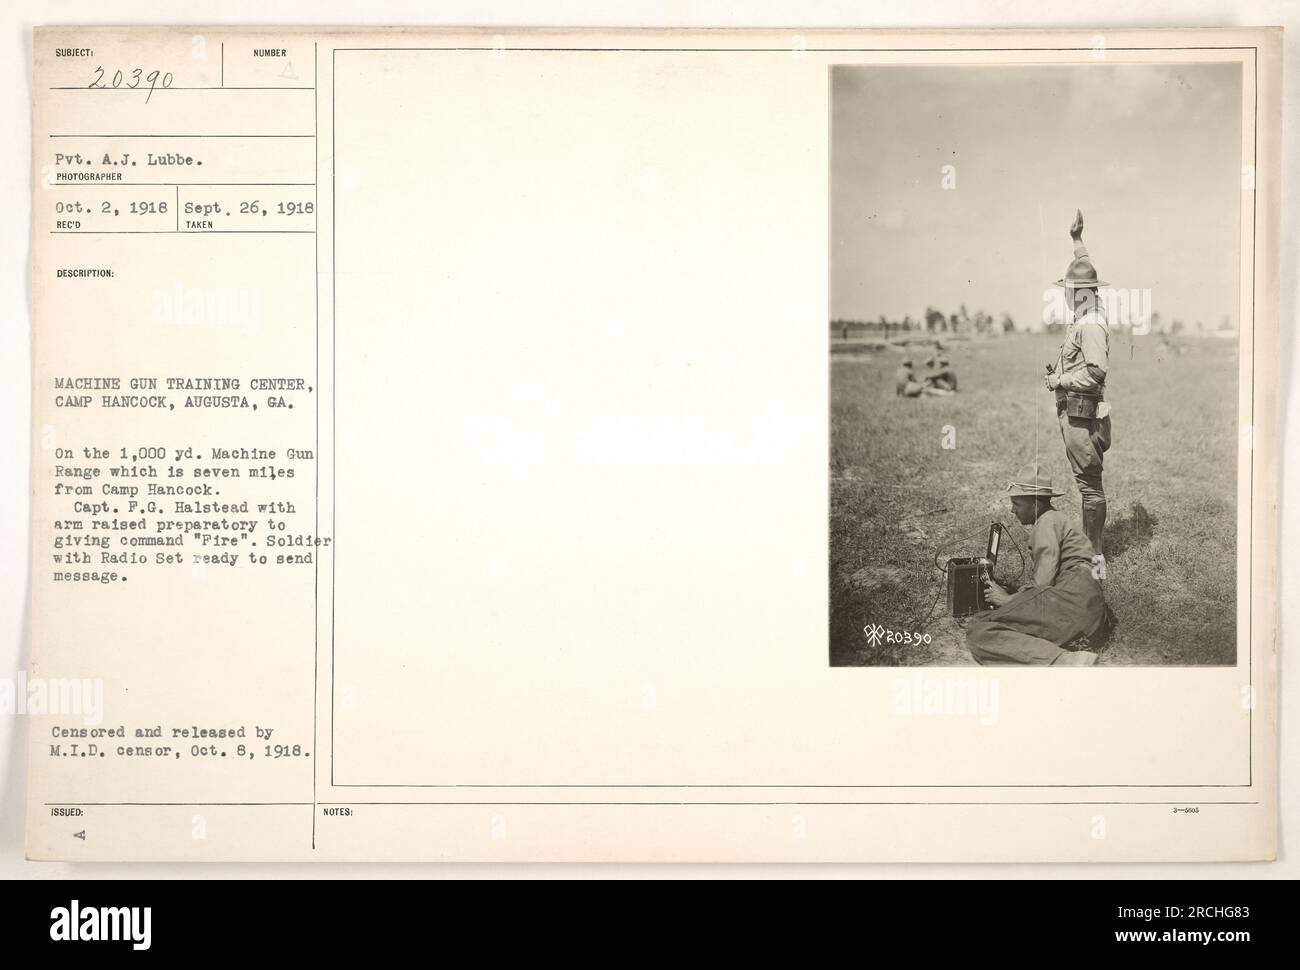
column 134, row 79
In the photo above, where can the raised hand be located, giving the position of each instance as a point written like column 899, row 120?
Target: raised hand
column 1076, row 227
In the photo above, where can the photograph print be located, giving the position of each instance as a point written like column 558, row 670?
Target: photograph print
column 1034, row 358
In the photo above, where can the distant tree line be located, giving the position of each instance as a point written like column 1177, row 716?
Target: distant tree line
column 934, row 322
column 1157, row 324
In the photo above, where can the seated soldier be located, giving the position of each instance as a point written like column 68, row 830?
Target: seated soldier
column 910, row 384
column 1062, row 603
column 905, row 382
column 941, row 375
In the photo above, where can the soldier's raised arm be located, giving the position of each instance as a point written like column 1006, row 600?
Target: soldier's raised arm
column 1076, row 233
column 1094, row 344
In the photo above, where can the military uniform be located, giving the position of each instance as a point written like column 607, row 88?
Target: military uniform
column 1081, row 407
column 1062, row 602
column 940, row 375
column 905, row 382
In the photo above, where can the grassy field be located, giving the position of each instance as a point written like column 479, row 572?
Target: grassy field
column 899, row 498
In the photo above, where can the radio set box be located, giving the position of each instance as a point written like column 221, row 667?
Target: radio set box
column 966, row 577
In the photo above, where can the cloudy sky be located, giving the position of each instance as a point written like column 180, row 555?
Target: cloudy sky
column 1150, row 153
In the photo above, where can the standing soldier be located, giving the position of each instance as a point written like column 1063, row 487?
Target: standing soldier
column 1079, row 379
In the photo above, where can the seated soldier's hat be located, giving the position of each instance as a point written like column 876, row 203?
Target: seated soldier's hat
column 1034, row 480
column 1080, row 275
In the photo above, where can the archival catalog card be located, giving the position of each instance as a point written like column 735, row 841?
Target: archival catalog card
column 663, row 445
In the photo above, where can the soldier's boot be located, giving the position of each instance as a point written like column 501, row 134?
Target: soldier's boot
column 1094, row 524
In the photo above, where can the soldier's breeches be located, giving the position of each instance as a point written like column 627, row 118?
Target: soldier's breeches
column 1086, row 443
column 1034, row 624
